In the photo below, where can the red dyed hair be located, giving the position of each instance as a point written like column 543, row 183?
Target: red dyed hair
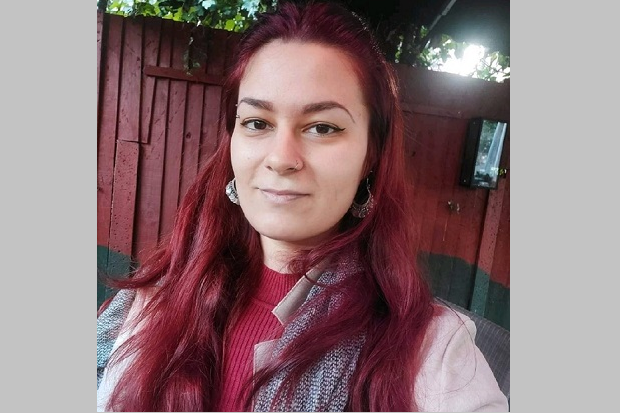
column 204, row 273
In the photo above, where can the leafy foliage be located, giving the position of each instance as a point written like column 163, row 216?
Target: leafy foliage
column 407, row 44
column 492, row 66
column 231, row 15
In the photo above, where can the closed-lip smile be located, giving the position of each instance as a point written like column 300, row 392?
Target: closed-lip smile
column 281, row 196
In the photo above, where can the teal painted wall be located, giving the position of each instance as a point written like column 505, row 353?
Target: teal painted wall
column 451, row 278
column 461, row 283
column 113, row 264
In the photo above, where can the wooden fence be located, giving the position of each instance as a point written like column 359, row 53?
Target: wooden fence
column 157, row 125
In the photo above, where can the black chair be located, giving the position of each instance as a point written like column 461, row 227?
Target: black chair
column 494, row 343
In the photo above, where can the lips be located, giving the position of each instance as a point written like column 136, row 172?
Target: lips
column 281, row 196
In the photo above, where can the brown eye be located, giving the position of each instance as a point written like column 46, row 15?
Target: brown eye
column 255, row 124
column 324, row 129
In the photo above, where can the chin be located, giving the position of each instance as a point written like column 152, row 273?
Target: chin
column 285, row 236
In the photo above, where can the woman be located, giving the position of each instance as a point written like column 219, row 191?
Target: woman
column 288, row 283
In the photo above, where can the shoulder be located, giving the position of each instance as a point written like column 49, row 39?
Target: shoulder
column 454, row 375
column 125, row 303
column 120, row 315
column 116, row 322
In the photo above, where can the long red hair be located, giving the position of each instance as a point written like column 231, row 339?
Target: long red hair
column 205, row 272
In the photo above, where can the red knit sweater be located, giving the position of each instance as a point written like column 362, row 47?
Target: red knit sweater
column 256, row 324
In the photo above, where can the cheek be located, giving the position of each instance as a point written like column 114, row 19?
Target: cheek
column 343, row 182
column 239, row 155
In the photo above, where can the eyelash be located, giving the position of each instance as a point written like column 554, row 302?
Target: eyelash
column 247, row 122
column 334, row 129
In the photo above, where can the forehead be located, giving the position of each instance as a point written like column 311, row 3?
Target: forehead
column 290, row 72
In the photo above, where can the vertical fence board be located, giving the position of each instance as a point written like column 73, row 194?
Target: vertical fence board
column 213, row 95
column 486, row 252
column 129, row 99
column 430, row 161
column 441, row 276
column 411, row 161
column 151, row 173
column 191, row 144
column 100, row 36
column 152, row 39
column 459, row 283
column 472, row 210
column 174, row 138
column 501, row 263
column 491, row 226
column 152, row 158
column 199, row 55
column 113, row 27
column 174, row 151
column 124, row 197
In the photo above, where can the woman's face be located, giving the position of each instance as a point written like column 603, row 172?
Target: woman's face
column 300, row 141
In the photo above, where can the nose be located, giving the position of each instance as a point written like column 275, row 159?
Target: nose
column 285, row 155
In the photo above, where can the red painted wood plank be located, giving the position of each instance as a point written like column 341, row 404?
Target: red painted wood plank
column 181, row 74
column 490, row 228
column 444, row 185
column 151, row 173
column 473, row 209
column 191, row 144
column 174, row 139
column 199, row 49
column 124, row 197
column 415, row 166
column 197, row 53
column 174, row 151
column 450, row 196
column 453, row 194
column 411, row 160
column 152, row 158
column 211, row 122
column 443, row 215
column 457, row 280
column 181, row 34
column 167, row 37
column 129, row 99
column 430, row 178
column 453, row 95
column 106, row 138
column 216, row 61
column 217, row 52
column 100, row 15
column 232, row 42
column 152, row 39
column 501, row 262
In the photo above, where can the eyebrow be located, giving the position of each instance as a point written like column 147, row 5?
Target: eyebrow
column 257, row 103
column 309, row 108
column 321, row 106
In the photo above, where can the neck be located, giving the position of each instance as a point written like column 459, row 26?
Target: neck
column 278, row 254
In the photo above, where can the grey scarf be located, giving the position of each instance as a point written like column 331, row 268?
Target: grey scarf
column 109, row 325
column 324, row 387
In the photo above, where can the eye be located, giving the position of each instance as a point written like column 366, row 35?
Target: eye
column 324, row 129
column 255, row 124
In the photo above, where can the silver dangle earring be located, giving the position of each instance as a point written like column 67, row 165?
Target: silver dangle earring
column 231, row 191
column 361, row 210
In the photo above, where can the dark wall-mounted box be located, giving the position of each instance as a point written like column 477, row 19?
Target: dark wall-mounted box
column 482, row 153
